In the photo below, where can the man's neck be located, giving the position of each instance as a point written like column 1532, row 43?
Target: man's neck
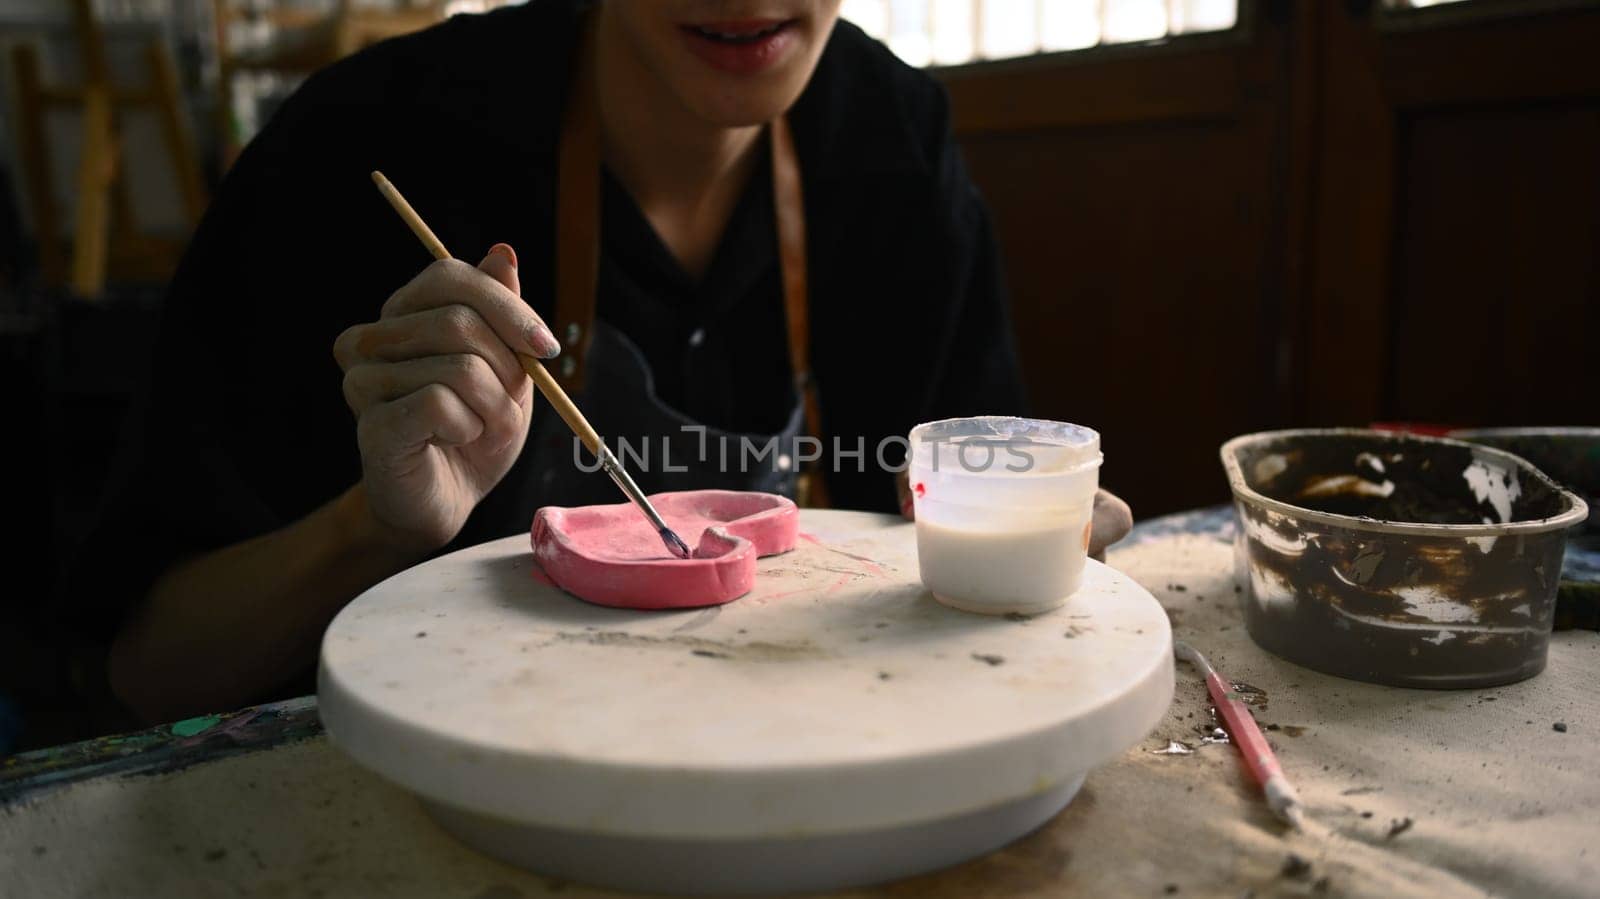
column 685, row 174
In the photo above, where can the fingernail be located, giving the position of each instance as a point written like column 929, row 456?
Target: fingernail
column 506, row 251
column 905, row 508
column 545, row 345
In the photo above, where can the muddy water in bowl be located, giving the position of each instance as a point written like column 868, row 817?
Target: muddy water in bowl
column 1396, row 559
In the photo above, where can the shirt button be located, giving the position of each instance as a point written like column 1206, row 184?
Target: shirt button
column 697, row 338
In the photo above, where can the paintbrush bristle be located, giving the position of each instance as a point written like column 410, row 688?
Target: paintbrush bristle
column 675, row 543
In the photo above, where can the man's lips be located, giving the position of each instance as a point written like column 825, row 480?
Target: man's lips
column 738, row 29
column 742, row 46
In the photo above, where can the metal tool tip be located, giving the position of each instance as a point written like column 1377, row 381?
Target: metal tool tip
column 1295, row 815
column 675, row 543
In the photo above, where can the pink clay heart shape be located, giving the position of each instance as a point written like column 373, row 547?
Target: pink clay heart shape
column 611, row 556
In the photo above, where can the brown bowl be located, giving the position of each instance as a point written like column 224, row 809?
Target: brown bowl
column 1397, row 559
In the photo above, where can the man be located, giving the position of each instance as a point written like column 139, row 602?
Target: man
column 251, row 515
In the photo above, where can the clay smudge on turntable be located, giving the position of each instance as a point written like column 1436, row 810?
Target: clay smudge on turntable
column 754, row 651
column 874, row 566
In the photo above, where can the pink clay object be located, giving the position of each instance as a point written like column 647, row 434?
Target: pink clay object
column 611, row 556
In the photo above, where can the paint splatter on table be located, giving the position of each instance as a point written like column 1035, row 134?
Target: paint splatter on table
column 158, row 750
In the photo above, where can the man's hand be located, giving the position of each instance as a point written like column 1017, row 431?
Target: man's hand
column 441, row 401
column 1112, row 517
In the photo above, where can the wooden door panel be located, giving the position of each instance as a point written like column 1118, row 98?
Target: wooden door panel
column 1334, row 215
column 1497, row 301
column 1135, row 256
column 1456, row 217
column 1137, row 195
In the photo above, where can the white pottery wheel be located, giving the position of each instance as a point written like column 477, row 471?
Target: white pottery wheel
column 836, row 726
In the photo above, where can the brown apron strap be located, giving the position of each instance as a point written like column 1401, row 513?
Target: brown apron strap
column 578, row 242
column 577, row 260
column 788, row 203
column 789, row 206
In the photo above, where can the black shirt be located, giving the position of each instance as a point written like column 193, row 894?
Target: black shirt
column 717, row 348
column 245, row 429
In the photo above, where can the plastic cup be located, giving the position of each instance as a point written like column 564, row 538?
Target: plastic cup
column 1004, row 508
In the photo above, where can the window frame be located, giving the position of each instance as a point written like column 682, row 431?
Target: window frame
column 1386, row 18
column 1243, row 31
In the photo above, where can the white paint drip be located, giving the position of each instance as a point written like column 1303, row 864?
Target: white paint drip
column 1348, row 483
column 1271, row 539
column 1270, row 590
column 1495, row 485
column 1429, row 603
column 1473, row 634
column 1339, row 575
column 1269, row 467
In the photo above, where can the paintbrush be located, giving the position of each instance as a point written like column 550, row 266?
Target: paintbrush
column 1258, row 756
column 547, row 385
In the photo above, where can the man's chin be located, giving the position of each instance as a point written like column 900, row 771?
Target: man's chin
column 741, row 112
column 735, row 102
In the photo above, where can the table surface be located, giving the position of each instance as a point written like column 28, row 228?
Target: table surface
column 1411, row 792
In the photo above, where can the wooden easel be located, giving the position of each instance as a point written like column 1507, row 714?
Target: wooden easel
column 306, row 40
column 105, row 235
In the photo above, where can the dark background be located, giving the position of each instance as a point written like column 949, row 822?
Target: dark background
column 1336, row 213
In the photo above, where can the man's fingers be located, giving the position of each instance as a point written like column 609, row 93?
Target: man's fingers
column 1112, row 521
column 501, row 265
column 443, row 331
column 467, row 377
column 450, row 281
column 434, row 414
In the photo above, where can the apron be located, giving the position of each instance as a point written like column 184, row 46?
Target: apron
column 608, row 377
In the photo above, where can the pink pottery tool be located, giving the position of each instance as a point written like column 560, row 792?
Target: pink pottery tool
column 1241, row 725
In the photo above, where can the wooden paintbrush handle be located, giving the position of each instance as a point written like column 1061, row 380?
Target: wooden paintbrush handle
column 547, row 385
column 561, row 402
column 541, row 376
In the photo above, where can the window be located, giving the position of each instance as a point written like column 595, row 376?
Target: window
column 952, row 32
column 1404, row 15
